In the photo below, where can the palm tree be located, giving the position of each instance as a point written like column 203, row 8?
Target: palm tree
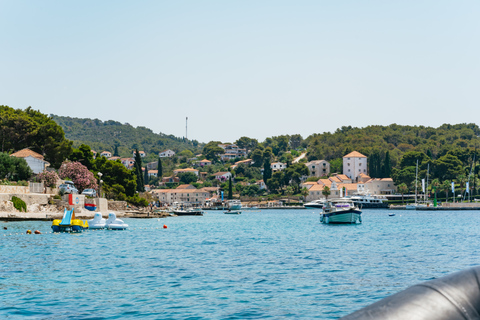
column 304, row 192
column 435, row 184
column 326, row 192
column 446, row 185
column 402, row 188
column 289, row 192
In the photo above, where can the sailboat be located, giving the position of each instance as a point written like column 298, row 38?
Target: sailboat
column 416, row 205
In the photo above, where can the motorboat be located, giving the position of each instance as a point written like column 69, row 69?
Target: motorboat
column 188, row 212
column 233, row 212
column 369, row 201
column 234, row 204
column 98, row 222
column 113, row 223
column 315, row 204
column 340, row 211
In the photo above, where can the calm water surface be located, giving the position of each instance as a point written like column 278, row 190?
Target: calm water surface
column 273, row 264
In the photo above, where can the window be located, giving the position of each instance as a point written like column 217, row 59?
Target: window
column 324, row 164
column 360, row 164
column 348, row 164
column 348, row 170
column 313, row 167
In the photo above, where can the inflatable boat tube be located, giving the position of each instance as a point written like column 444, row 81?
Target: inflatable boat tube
column 453, row 297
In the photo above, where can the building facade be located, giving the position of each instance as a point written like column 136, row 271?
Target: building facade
column 354, row 164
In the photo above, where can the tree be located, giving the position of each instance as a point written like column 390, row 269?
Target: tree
column 446, row 186
column 83, row 155
column 115, row 173
column 230, row 190
column 212, row 150
column 294, row 174
column 326, row 191
column 435, row 183
column 13, row 168
column 146, row 177
column 138, row 172
column 402, row 188
column 304, row 193
column 187, row 177
column 115, row 152
column 159, row 168
column 289, row 191
column 387, row 166
column 257, row 157
column 79, row 174
column 447, row 167
column 267, row 170
column 276, row 182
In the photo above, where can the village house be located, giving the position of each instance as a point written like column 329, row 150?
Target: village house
column 277, row 166
column 94, row 154
column 179, row 171
column 166, row 154
column 184, row 195
column 318, row 168
column 354, row 164
column 261, row 184
column 378, row 186
column 171, row 179
column 106, row 154
column 128, row 162
column 204, row 163
column 141, row 153
column 222, row 176
column 152, row 173
column 34, row 160
column 114, row 158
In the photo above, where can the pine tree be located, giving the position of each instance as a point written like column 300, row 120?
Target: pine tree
column 138, row 172
column 230, row 188
column 387, row 166
column 267, row 170
column 159, row 168
column 115, row 152
column 145, row 176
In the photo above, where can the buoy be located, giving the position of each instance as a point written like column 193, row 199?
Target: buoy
column 37, row 232
column 164, row 226
column 29, row 231
column 4, row 228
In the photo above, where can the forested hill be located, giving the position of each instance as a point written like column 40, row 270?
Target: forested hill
column 106, row 135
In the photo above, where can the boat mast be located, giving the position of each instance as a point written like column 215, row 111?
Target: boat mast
column 426, row 190
column 416, row 176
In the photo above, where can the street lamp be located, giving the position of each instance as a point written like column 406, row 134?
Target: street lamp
column 100, row 184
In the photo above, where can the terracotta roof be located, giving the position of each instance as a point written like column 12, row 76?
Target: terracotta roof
column 310, row 182
column 185, row 186
column 335, row 179
column 185, row 170
column 326, row 182
column 205, row 160
column 152, row 171
column 343, row 177
column 317, row 187
column 348, row 186
column 363, row 175
column 27, row 153
column 220, row 173
column 354, row 154
column 387, row 179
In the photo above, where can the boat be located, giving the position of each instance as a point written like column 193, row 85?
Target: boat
column 188, row 212
column 369, row 201
column 233, row 212
column 68, row 223
column 90, row 206
column 315, row 204
column 98, row 222
column 413, row 206
column 113, row 223
column 340, row 211
column 234, row 204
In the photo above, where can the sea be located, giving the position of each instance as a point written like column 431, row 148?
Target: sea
column 264, row 264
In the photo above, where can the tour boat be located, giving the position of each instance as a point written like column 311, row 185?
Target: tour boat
column 340, row 211
column 188, row 212
column 369, row 202
column 234, row 204
column 315, row 204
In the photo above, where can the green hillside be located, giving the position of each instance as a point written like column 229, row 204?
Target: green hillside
column 106, row 135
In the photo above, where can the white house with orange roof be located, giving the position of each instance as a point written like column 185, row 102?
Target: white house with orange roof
column 318, row 168
column 277, row 166
column 204, row 163
column 128, row 162
column 166, row 154
column 94, row 153
column 222, row 176
column 152, row 173
column 380, row 186
column 185, row 196
column 354, row 164
column 34, row 160
column 106, row 154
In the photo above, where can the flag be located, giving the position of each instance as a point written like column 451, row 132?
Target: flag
column 453, row 187
column 222, row 195
column 341, row 192
column 423, row 185
column 468, row 186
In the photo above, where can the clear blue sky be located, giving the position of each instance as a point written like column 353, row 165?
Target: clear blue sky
column 244, row 68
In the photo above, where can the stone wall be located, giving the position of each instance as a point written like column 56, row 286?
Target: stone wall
column 14, row 189
column 117, row 205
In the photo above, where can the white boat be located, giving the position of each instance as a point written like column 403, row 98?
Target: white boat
column 369, row 201
column 340, row 211
column 98, row 222
column 233, row 212
column 188, row 212
column 315, row 204
column 234, row 204
column 113, row 223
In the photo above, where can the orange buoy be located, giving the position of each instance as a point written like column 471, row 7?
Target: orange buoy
column 29, row 231
column 37, row 232
column 164, row 226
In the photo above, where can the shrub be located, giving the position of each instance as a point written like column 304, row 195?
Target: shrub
column 19, row 204
column 137, row 201
column 50, row 178
column 79, row 174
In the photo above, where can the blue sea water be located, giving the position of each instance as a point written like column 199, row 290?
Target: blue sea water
column 272, row 264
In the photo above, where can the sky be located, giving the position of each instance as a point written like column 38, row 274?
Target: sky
column 244, row 68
